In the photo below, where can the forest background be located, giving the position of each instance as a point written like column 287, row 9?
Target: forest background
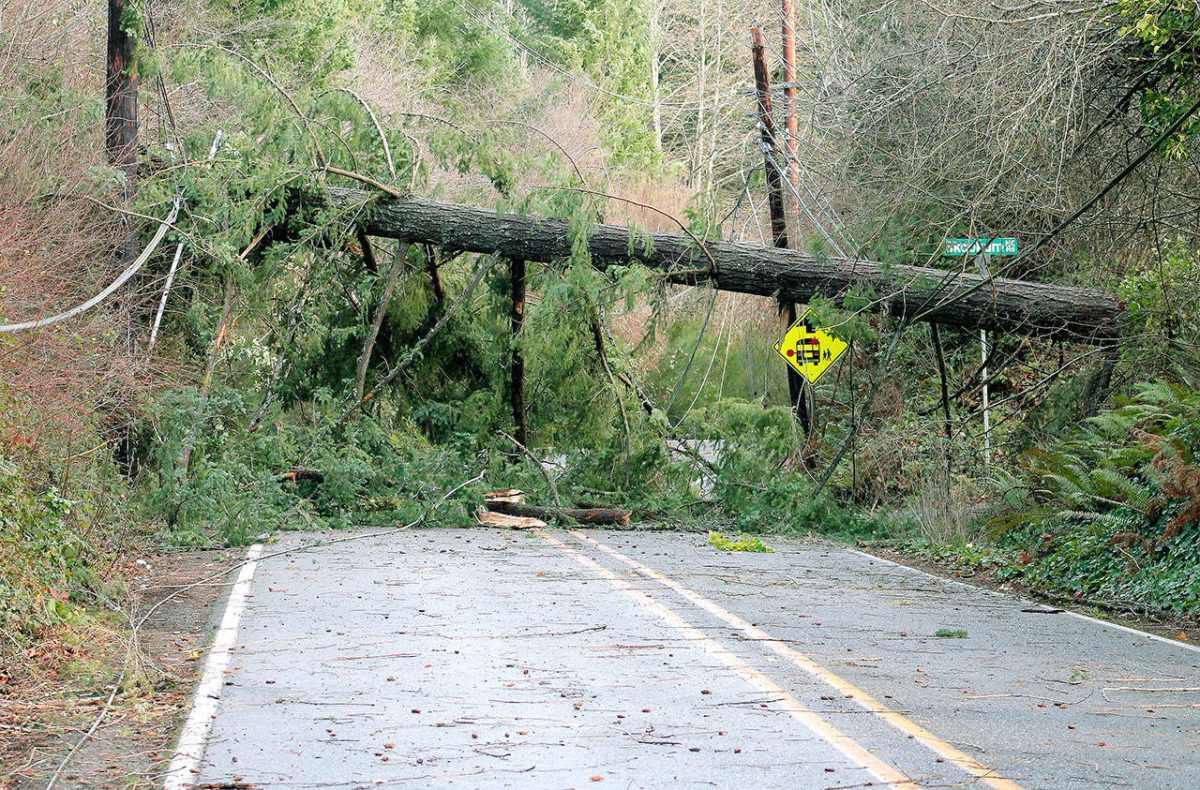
column 171, row 415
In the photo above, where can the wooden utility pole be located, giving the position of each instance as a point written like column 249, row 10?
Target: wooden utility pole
column 517, row 378
column 779, row 235
column 121, row 98
column 766, row 120
column 120, row 139
column 789, row 93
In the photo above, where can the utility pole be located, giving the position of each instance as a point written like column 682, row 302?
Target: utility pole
column 789, row 93
column 766, row 126
column 121, row 98
column 779, row 235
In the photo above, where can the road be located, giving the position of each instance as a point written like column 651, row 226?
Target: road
column 557, row 659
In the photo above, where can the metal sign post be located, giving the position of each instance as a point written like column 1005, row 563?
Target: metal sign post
column 985, row 248
column 984, row 268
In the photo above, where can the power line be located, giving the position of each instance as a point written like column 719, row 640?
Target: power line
column 124, row 277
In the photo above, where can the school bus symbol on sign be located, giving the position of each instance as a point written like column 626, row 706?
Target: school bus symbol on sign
column 811, row 352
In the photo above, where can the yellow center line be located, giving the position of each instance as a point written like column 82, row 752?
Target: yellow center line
column 942, row 748
column 854, row 751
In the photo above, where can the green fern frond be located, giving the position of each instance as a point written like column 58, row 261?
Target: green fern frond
column 1131, row 459
column 1118, row 423
column 1160, row 393
column 1116, row 487
column 1009, row 520
column 1116, row 519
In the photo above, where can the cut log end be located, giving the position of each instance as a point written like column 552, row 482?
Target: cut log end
column 296, row 475
column 488, row 518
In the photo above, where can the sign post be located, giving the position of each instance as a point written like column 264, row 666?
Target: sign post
column 985, row 248
column 984, row 351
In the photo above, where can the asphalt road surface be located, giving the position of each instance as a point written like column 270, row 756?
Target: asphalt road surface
column 561, row 659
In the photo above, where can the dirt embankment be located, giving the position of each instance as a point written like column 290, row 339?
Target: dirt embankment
column 51, row 698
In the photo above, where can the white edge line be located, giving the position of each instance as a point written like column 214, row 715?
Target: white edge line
column 190, row 749
column 1089, row 618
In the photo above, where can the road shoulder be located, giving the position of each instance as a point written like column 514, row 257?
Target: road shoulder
column 64, row 685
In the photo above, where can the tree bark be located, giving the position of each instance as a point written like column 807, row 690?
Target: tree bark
column 590, row 515
column 120, row 137
column 936, row 338
column 389, row 286
column 946, row 297
column 517, row 373
column 296, row 474
column 435, row 278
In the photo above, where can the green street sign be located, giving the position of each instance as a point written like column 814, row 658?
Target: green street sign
column 960, row 247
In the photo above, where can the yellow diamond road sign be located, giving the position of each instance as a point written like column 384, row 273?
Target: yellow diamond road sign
column 811, row 352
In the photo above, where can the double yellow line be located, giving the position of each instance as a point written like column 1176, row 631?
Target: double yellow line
column 848, row 746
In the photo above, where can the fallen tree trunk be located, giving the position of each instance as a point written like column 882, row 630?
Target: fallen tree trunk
column 584, row 515
column 934, row 295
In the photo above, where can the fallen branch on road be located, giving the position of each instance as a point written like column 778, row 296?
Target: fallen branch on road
column 583, row 515
column 489, row 518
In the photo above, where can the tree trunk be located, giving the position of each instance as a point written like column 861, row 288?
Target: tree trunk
column 913, row 292
column 517, row 318
column 120, row 140
column 389, row 286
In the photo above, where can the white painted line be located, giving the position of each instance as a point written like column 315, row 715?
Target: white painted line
column 185, row 766
column 1090, row 619
column 850, row 748
column 1135, row 631
column 982, row 773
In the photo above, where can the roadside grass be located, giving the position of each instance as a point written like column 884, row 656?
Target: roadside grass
column 54, row 688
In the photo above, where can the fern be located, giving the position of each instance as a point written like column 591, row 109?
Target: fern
column 1117, row 423
column 1125, row 468
column 1114, row 519
column 1111, row 485
column 1173, row 399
